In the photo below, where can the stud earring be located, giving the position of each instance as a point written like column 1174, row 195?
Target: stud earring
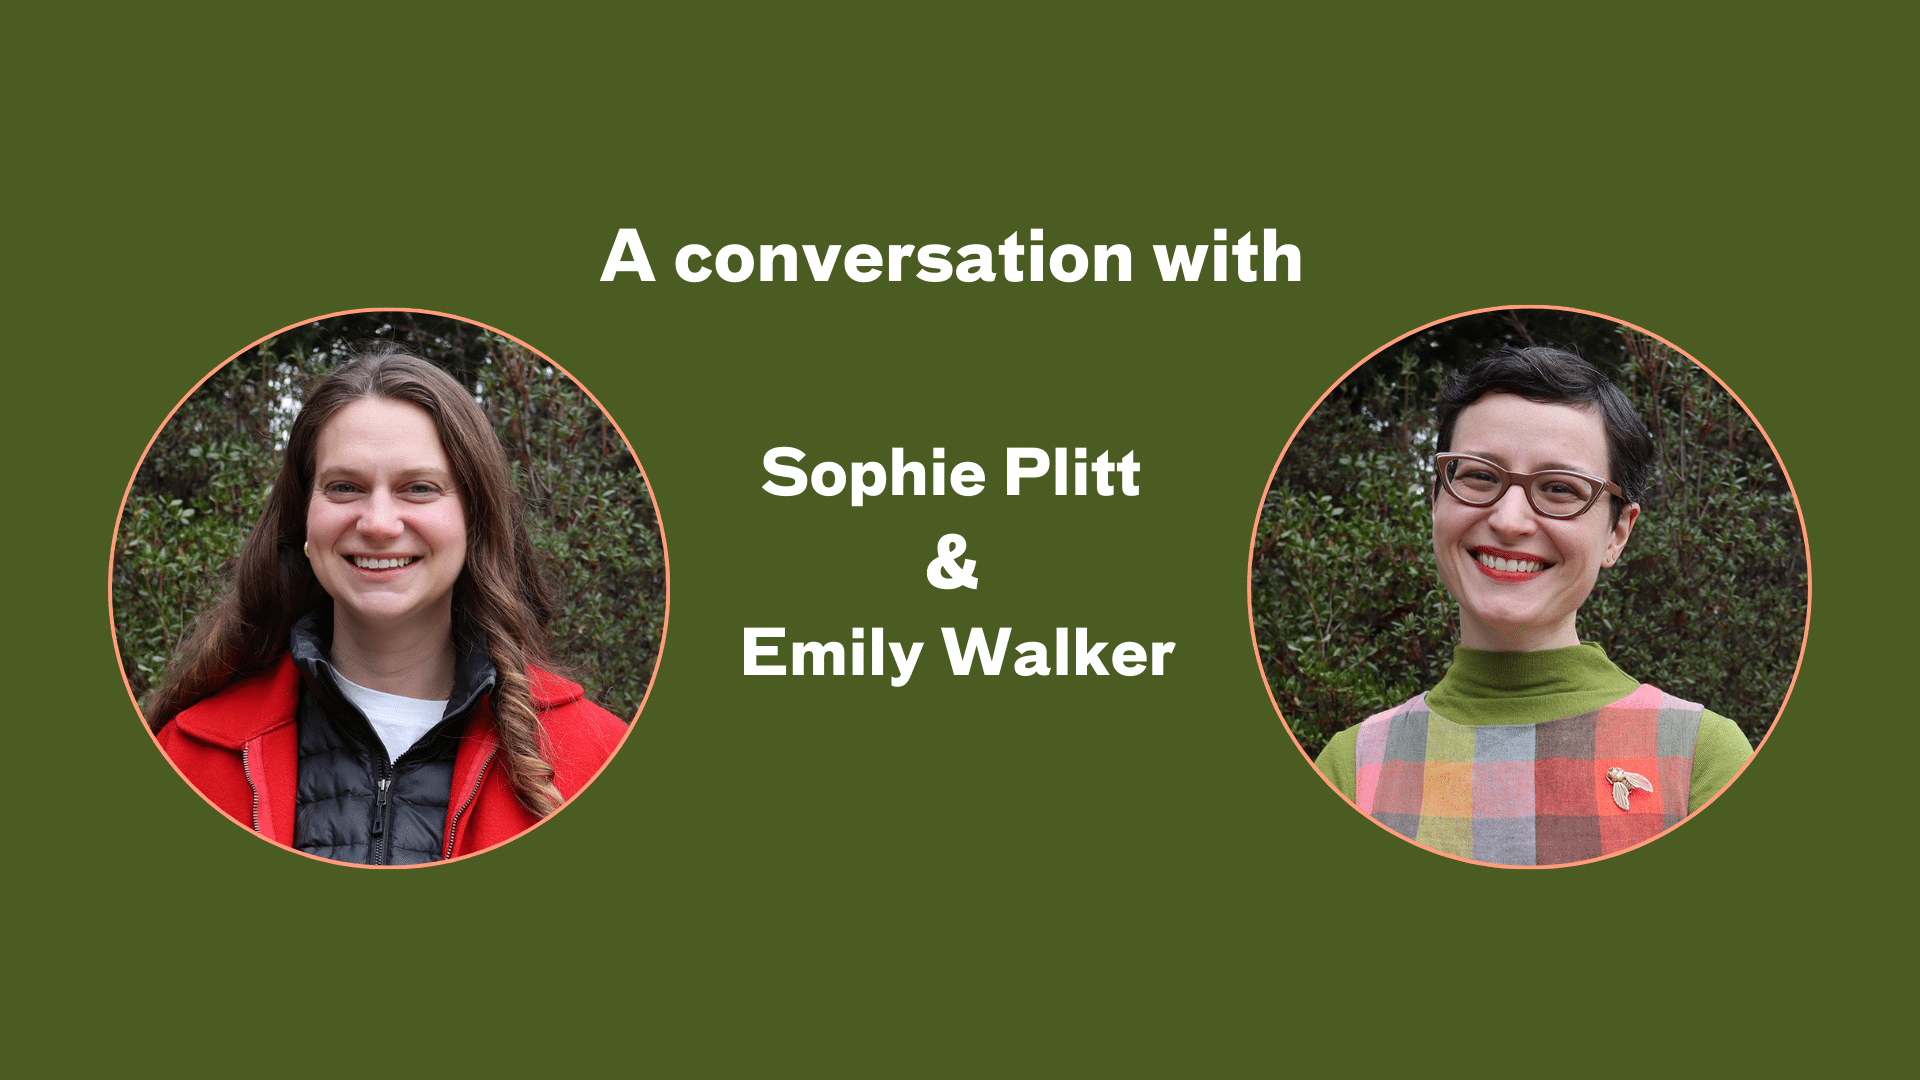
column 306, row 548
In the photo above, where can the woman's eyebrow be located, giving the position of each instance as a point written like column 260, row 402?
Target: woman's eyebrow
column 430, row 471
column 1496, row 458
column 1548, row 466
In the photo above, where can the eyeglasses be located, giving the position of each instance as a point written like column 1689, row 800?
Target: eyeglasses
column 1554, row 493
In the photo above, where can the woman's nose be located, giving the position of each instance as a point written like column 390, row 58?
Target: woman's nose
column 381, row 519
column 1512, row 514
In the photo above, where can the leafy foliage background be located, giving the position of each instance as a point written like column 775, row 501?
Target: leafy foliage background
column 1709, row 602
column 206, row 477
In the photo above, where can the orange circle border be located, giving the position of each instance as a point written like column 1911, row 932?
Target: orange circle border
column 1806, row 545
column 652, row 496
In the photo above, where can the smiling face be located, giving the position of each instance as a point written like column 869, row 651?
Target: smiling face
column 386, row 530
column 1519, row 576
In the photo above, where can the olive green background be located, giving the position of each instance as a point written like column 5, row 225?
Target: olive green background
column 965, row 876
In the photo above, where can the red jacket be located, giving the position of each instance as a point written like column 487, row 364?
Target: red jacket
column 238, row 750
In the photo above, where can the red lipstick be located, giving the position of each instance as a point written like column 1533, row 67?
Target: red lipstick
column 1517, row 556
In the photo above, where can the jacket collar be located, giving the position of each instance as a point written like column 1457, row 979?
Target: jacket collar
column 473, row 671
column 255, row 705
column 245, row 710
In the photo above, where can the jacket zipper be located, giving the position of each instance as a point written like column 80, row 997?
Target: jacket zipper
column 453, row 823
column 251, row 786
column 385, row 785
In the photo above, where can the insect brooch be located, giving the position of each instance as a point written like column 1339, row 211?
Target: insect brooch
column 1623, row 782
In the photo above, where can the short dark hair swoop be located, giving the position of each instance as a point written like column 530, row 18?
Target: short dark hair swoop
column 1556, row 377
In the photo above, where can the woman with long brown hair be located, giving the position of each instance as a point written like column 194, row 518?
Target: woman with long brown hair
column 375, row 686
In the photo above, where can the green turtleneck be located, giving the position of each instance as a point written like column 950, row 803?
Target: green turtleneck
column 1535, row 687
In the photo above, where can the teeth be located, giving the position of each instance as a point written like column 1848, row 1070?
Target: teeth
column 1517, row 566
column 365, row 563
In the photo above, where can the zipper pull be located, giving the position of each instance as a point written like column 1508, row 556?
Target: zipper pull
column 380, row 805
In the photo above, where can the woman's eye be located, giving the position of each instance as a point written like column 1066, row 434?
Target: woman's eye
column 339, row 487
column 421, row 490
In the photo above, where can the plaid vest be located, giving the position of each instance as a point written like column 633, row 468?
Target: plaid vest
column 1528, row 794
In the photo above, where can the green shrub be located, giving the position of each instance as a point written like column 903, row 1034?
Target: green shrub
column 1349, row 614
column 203, row 483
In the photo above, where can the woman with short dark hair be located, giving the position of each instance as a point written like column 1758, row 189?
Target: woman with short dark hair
column 375, row 687
column 1534, row 749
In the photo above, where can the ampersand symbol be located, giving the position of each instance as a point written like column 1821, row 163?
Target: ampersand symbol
column 942, row 573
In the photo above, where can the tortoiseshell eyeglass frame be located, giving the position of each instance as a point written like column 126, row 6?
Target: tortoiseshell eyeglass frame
column 1508, row 478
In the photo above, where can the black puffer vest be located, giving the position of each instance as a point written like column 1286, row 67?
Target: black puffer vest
column 352, row 803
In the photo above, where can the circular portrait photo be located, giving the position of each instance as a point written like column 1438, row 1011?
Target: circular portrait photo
column 1529, row 587
column 388, row 588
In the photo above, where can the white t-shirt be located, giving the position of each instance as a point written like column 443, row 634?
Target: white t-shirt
column 399, row 721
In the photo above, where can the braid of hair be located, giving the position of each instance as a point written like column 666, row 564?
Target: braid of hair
column 503, row 594
column 523, row 752
column 505, row 597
